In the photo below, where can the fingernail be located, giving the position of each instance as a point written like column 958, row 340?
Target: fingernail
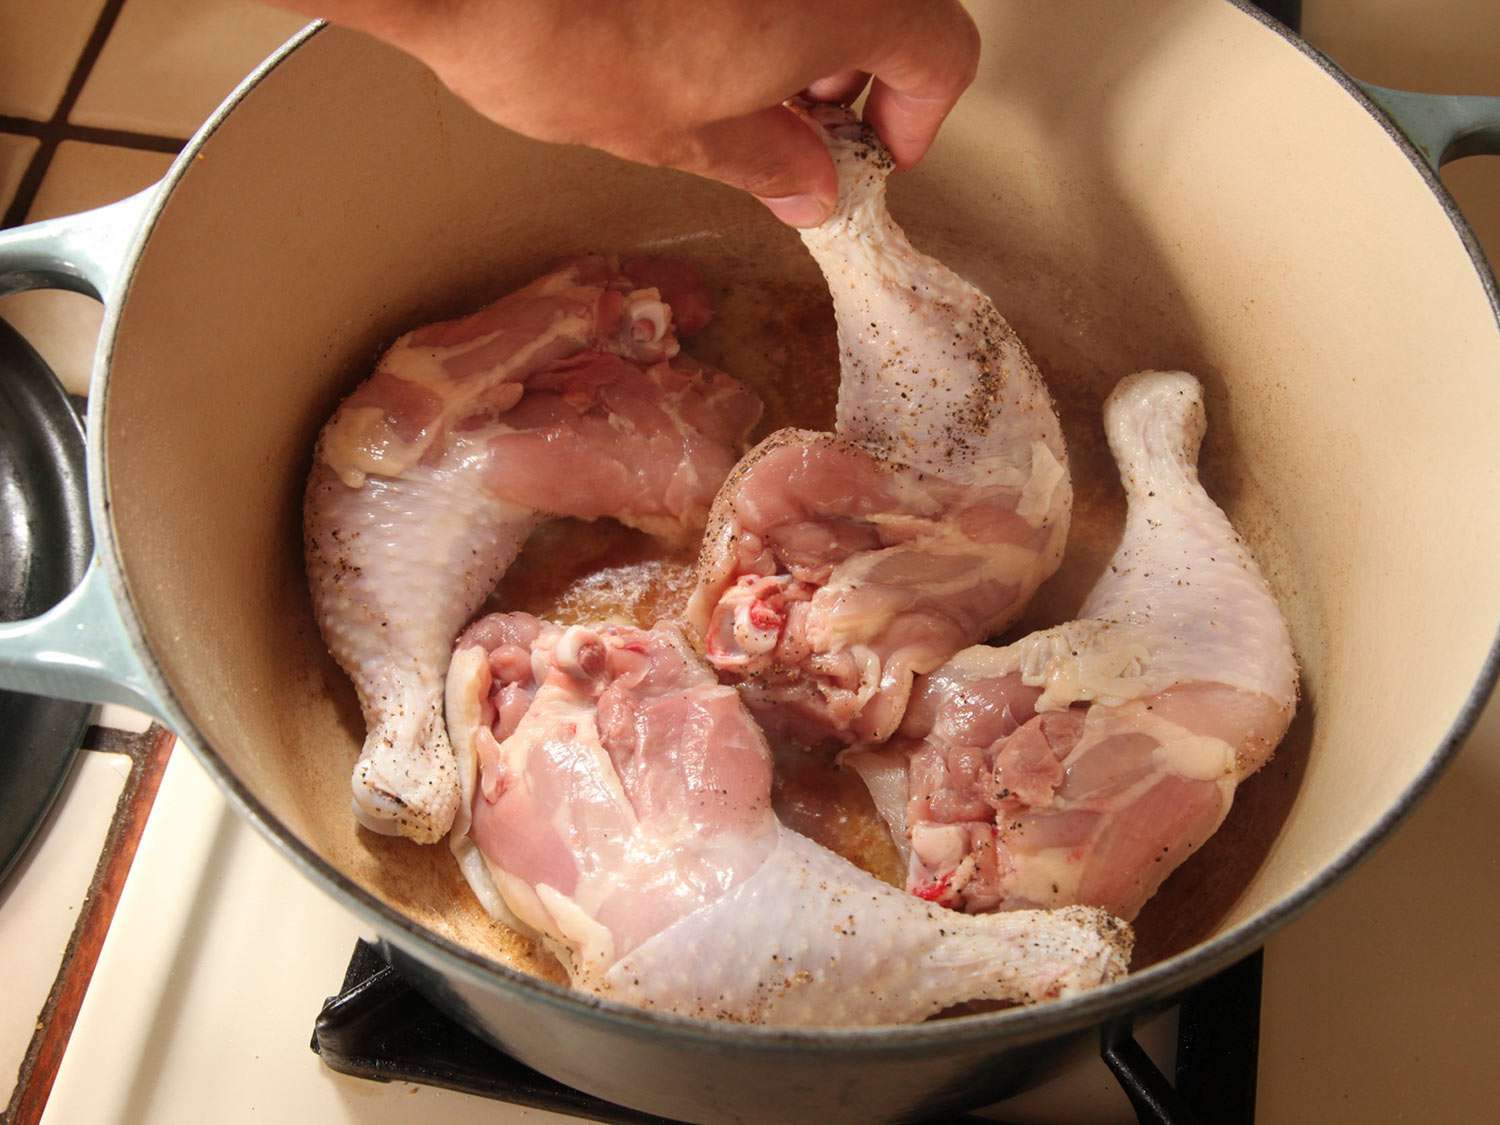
column 798, row 210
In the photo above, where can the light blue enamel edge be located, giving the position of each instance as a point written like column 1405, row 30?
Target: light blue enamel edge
column 1442, row 127
column 79, row 649
column 85, row 253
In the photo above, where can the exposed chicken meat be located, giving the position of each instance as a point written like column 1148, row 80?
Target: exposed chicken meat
column 565, row 398
column 617, row 801
column 1084, row 763
column 836, row 568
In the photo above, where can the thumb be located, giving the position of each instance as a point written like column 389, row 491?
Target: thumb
column 774, row 155
column 920, row 81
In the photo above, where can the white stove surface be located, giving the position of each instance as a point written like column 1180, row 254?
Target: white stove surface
column 216, row 964
column 203, row 1000
column 1379, row 1004
column 41, row 900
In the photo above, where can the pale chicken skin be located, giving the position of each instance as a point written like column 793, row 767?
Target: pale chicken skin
column 617, row 802
column 566, row 398
column 837, row 567
column 1084, row 763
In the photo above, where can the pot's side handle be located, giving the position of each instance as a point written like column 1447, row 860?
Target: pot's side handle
column 1443, row 127
column 81, row 648
column 82, row 252
column 78, row 649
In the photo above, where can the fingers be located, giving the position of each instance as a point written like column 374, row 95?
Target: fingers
column 907, row 123
column 920, row 78
column 773, row 155
column 841, row 88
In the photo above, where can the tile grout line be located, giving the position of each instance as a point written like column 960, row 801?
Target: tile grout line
column 57, row 129
column 120, row 138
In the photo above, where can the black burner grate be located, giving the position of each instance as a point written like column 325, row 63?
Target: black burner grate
column 379, row 1027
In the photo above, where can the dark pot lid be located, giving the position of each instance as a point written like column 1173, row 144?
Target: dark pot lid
column 44, row 550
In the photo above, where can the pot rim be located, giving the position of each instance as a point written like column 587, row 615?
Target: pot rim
column 1005, row 1028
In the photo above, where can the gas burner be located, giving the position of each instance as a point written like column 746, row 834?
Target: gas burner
column 379, row 1027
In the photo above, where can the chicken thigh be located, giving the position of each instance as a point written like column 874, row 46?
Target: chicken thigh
column 1084, row 763
column 565, row 398
column 837, row 567
column 617, row 802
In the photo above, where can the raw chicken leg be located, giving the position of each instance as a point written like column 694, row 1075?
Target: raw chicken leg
column 1084, row 763
column 836, row 568
column 621, row 808
column 566, row 398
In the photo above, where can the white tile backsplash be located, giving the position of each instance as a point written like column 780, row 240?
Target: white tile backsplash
column 15, row 156
column 62, row 326
column 40, row 43
column 169, row 63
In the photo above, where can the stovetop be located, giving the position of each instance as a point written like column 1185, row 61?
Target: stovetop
column 218, row 963
column 380, row 1028
column 1377, row 1004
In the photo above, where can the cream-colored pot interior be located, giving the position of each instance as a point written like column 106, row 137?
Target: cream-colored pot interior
column 1136, row 185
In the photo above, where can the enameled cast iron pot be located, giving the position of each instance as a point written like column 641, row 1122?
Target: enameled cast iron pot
column 1174, row 184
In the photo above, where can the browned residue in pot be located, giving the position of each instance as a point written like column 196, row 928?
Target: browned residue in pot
column 778, row 336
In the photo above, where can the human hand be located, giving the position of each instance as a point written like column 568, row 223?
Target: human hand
column 692, row 84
